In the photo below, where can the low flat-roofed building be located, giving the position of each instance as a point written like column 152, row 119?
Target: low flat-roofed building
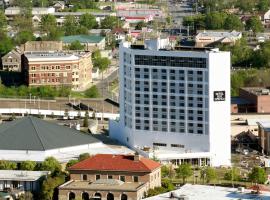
column 13, row 11
column 210, row 38
column 21, row 180
column 259, row 98
column 72, row 69
column 90, row 42
column 105, row 176
column 206, row 192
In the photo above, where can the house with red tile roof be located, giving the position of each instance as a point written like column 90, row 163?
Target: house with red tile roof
column 109, row 177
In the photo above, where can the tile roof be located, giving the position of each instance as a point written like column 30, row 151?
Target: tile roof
column 108, row 162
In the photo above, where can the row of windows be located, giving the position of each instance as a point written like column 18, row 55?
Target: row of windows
column 170, row 61
column 121, row 178
column 56, row 67
column 164, row 145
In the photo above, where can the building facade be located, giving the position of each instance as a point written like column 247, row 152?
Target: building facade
column 72, row 69
column 12, row 61
column 175, row 105
column 264, row 136
column 21, row 180
column 109, row 177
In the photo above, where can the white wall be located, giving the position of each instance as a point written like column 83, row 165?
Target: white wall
column 219, row 111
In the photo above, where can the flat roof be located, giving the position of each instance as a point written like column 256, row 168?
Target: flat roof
column 200, row 192
column 53, row 55
column 265, row 125
column 219, row 34
column 21, row 175
column 82, row 38
column 258, row 91
column 103, row 184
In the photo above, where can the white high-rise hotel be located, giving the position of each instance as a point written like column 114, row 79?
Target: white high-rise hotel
column 176, row 103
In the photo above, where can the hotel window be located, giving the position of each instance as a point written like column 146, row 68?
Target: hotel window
column 33, row 68
column 122, row 178
column 97, row 177
column 68, row 67
column 135, row 178
column 57, row 67
column 85, row 177
column 110, row 177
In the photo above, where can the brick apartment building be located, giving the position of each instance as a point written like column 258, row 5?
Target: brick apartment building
column 111, row 177
column 252, row 99
column 57, row 68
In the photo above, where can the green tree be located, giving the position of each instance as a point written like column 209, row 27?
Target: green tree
column 257, row 175
column 24, row 36
column 3, row 20
column 71, row 162
column 70, row 25
column 209, row 174
column 184, row 171
column 51, row 164
column 85, row 121
column 84, row 156
column 215, row 20
column 102, row 63
column 28, row 165
column 48, row 22
column 89, row 21
column 167, row 184
column 40, row 3
column 232, row 174
column 232, row 22
column 254, row 24
column 92, row 92
column 76, row 45
column 167, row 171
column 25, row 6
column 49, row 185
column 6, row 44
column 263, row 5
column 7, row 165
column 111, row 22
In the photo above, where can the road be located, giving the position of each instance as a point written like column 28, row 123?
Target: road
column 104, row 85
column 180, row 9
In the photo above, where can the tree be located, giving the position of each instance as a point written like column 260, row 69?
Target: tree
column 184, row 171
column 41, row 3
column 76, row 45
column 51, row 164
column 6, row 44
column 25, row 6
column 71, row 162
column 232, row 22
column 70, row 25
column 49, row 185
column 85, row 121
column 257, row 175
column 232, row 174
column 111, row 22
column 7, row 165
column 24, row 36
column 167, row 184
column 209, row 174
column 101, row 63
column 263, row 5
column 84, row 156
column 167, row 171
column 92, row 92
column 3, row 21
column 28, row 165
column 48, row 22
column 254, row 24
column 89, row 21
column 215, row 20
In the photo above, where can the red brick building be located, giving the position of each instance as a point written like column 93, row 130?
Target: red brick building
column 72, row 69
column 111, row 177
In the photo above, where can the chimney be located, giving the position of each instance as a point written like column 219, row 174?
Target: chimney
column 137, row 156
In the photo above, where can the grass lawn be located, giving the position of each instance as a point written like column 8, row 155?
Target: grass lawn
column 75, row 94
